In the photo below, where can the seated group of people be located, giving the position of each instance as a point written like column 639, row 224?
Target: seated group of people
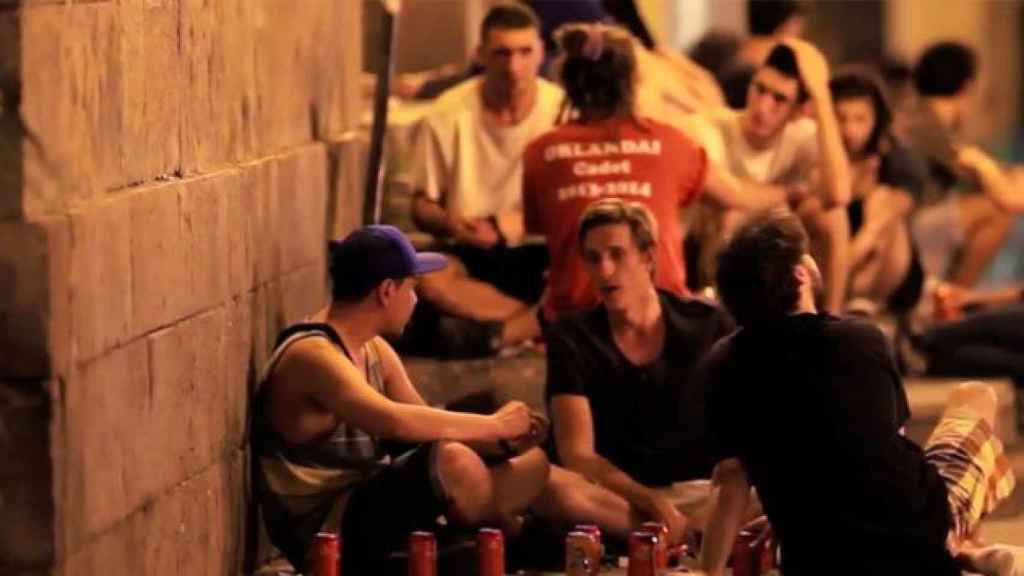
column 662, row 406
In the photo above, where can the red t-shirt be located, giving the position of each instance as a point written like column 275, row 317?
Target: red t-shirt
column 636, row 160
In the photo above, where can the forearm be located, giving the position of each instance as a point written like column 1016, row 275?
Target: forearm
column 603, row 472
column 998, row 187
column 415, row 423
column 730, row 504
column 431, row 217
column 834, row 163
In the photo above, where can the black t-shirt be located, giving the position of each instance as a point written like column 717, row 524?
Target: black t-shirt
column 812, row 407
column 648, row 420
column 900, row 168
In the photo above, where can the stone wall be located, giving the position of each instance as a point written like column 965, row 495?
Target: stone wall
column 169, row 170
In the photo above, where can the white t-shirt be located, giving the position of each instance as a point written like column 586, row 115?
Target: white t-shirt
column 475, row 164
column 794, row 154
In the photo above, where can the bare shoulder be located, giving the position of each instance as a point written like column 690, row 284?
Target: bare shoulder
column 390, row 362
column 311, row 362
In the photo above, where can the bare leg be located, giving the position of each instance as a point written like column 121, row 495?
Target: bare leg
column 454, row 291
column 978, row 397
column 521, row 327
column 885, row 270
column 572, row 499
column 480, row 495
column 986, row 228
column 829, row 232
column 714, row 233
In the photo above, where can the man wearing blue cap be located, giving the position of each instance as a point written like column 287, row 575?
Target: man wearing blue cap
column 333, row 391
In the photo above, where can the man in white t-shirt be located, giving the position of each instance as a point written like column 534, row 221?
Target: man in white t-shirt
column 468, row 181
column 771, row 141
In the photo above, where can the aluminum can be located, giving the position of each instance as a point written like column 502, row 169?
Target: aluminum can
column 325, row 555
column 643, row 550
column 767, row 557
column 660, row 531
column 944, row 308
column 744, row 561
column 490, row 549
column 422, row 554
column 582, row 554
column 594, row 531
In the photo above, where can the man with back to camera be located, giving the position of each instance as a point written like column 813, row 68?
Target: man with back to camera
column 809, row 409
column 334, row 392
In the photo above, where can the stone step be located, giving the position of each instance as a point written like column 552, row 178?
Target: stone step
column 928, row 398
column 446, row 382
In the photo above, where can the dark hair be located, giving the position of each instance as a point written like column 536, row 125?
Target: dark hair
column 755, row 270
column 765, row 16
column 859, row 82
column 945, row 69
column 783, row 59
column 716, row 51
column 508, row 16
column 597, row 69
column 642, row 224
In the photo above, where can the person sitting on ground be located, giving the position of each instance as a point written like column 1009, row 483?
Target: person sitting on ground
column 334, row 392
column 624, row 397
column 809, row 410
column 603, row 148
column 468, row 178
column 770, row 141
column 971, row 203
column 885, row 271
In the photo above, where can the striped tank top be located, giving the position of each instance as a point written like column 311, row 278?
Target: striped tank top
column 303, row 488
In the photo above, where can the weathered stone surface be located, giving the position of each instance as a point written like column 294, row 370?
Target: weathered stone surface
column 204, row 219
column 303, row 292
column 34, row 308
column 240, row 221
column 107, row 456
column 188, row 396
column 284, row 87
column 153, row 83
column 443, row 382
column 259, row 185
column 26, row 534
column 101, row 277
column 70, row 104
column 220, row 116
column 194, row 529
column 161, row 288
column 347, row 161
column 240, row 367
column 301, row 190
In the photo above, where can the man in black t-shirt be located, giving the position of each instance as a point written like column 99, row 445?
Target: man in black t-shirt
column 809, row 410
column 624, row 396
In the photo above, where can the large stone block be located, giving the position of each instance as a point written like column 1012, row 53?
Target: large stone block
column 101, row 277
column 106, row 457
column 34, row 308
column 220, row 117
column 188, row 397
column 153, row 85
column 240, row 221
column 285, row 70
column 161, row 287
column 347, row 176
column 70, row 103
column 27, row 533
column 194, row 529
column 303, row 292
column 301, row 191
column 260, row 191
column 240, row 367
column 204, row 204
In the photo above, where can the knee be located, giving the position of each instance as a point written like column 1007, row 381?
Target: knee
column 978, row 396
column 532, row 468
column 432, row 286
column 464, row 478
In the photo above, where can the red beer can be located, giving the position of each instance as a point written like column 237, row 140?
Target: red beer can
column 767, row 556
column 944, row 307
column 490, row 549
column 582, row 554
column 744, row 561
column 660, row 531
column 422, row 554
column 325, row 555
column 595, row 532
column 643, row 550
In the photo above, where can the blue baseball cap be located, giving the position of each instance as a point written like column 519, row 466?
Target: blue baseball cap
column 372, row 254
